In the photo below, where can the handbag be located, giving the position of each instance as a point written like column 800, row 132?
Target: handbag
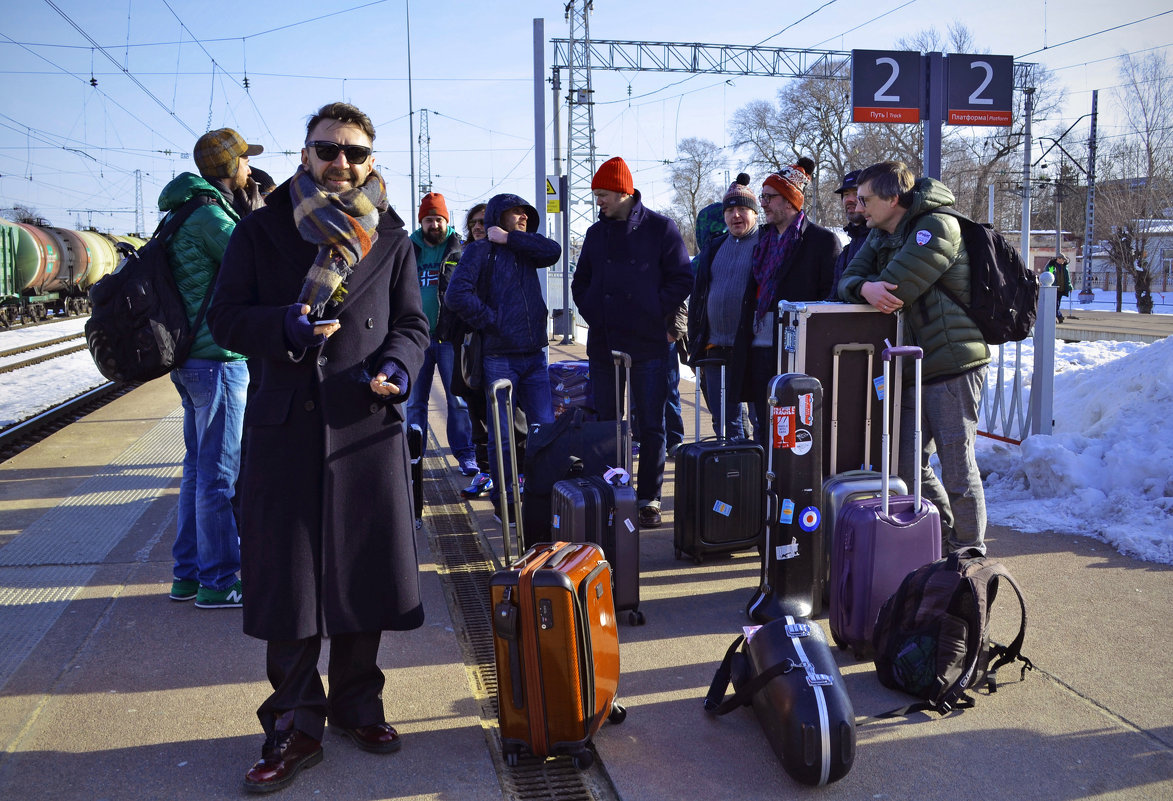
column 472, row 346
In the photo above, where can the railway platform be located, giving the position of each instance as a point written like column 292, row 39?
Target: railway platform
column 109, row 690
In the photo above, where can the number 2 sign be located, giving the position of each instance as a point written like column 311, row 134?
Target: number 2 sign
column 980, row 89
column 886, row 85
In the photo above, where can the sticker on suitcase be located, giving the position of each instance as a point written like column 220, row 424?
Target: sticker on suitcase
column 787, row 514
column 722, row 508
column 783, row 427
column 787, row 551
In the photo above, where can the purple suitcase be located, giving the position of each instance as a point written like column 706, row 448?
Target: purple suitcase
column 878, row 541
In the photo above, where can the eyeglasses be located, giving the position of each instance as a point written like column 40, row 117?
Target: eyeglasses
column 328, row 151
column 767, row 199
column 478, row 221
column 862, row 200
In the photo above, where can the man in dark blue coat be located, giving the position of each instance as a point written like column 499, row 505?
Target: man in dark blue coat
column 495, row 289
column 856, row 229
column 632, row 275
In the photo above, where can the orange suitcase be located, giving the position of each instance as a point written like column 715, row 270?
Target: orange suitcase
column 557, row 649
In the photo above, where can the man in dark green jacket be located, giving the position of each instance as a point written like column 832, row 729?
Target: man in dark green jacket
column 212, row 382
column 910, row 254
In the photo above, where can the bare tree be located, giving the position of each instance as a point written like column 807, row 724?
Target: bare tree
column 1137, row 188
column 691, row 176
column 23, row 214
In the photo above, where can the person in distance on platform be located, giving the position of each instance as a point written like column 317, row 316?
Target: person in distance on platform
column 319, row 289
column 632, row 275
column 212, row 382
column 437, row 252
column 1058, row 268
column 856, row 228
column 910, row 254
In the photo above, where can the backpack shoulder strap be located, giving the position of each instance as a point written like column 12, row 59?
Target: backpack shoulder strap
column 995, row 573
column 170, row 224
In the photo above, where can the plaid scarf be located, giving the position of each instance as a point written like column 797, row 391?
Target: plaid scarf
column 342, row 225
column 769, row 254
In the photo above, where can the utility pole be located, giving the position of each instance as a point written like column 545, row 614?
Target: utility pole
column 1028, row 113
column 580, row 126
column 139, row 223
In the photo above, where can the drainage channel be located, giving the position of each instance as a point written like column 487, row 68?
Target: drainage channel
column 466, row 561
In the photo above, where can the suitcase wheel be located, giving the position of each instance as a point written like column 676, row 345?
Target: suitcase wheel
column 636, row 618
column 511, row 756
column 618, row 714
column 418, row 524
column 583, row 759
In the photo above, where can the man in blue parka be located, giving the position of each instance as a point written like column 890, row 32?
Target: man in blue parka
column 496, row 290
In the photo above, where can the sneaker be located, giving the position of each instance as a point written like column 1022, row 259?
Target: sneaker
column 230, row 598
column 649, row 517
column 184, row 589
column 469, row 467
column 635, row 448
column 673, row 448
column 479, row 486
column 497, row 515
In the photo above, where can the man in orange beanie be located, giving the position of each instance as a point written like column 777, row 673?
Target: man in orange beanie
column 438, row 249
column 632, row 275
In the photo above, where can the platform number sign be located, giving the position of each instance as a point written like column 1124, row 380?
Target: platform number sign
column 886, row 85
column 980, row 89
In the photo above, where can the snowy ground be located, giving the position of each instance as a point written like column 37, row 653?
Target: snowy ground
column 1105, row 472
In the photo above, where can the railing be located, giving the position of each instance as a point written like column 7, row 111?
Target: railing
column 1016, row 405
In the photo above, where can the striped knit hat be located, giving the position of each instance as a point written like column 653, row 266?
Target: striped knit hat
column 790, row 181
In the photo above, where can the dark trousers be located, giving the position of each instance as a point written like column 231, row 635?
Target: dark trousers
column 356, row 683
column 649, row 388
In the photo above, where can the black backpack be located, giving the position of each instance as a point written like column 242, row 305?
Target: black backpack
column 932, row 636
column 138, row 329
column 1003, row 291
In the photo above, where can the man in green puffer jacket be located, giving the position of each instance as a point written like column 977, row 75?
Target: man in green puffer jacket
column 212, row 382
column 908, row 257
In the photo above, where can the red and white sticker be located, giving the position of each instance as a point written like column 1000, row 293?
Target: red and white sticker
column 782, row 427
column 806, row 409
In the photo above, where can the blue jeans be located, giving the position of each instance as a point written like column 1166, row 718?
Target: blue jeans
column 649, row 389
column 207, row 546
column 439, row 357
column 673, row 419
column 531, row 391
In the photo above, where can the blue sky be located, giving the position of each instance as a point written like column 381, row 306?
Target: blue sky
column 167, row 70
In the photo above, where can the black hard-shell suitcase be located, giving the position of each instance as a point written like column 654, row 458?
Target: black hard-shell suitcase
column 718, row 495
column 572, row 444
column 792, row 559
column 786, row 671
column 594, row 509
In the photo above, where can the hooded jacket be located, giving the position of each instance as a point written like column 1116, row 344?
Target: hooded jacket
column 924, row 253
column 195, row 253
column 631, row 277
column 507, row 305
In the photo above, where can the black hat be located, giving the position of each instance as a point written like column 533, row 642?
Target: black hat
column 850, row 181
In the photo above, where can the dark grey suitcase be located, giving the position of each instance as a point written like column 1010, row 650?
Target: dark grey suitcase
column 718, row 500
column 593, row 509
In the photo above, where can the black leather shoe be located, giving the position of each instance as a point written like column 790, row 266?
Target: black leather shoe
column 378, row 738
column 649, row 517
column 283, row 755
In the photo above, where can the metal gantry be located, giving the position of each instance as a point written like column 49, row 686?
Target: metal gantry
column 425, row 143
column 580, row 125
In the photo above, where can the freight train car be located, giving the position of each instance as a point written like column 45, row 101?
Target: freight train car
column 48, row 271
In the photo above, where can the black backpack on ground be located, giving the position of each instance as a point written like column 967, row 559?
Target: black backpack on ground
column 138, row 329
column 1003, row 291
column 932, row 636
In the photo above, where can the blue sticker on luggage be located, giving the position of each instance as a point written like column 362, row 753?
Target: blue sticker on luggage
column 787, row 516
column 809, row 519
column 722, row 508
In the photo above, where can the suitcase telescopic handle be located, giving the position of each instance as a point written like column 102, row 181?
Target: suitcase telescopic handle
column 504, row 384
column 705, row 363
column 903, row 350
column 623, row 410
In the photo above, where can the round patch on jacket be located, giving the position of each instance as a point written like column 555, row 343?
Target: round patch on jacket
column 923, row 237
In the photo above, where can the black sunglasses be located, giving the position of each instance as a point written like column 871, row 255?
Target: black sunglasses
column 328, row 151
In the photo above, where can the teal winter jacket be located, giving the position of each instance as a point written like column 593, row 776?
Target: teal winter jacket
column 923, row 254
column 196, row 250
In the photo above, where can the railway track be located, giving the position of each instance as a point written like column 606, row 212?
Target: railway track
column 43, row 357
column 17, row 437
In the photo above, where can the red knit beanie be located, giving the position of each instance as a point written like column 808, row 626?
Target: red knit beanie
column 433, row 203
column 790, row 181
column 615, row 177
